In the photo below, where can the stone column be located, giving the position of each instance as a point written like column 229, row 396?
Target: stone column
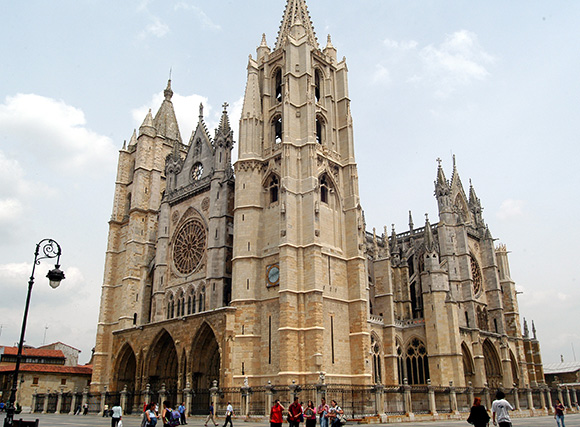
column 530, row 399
column 59, row 402
column 270, row 398
column 33, row 408
column 453, row 398
column 431, row 394
column 245, row 390
column 162, row 395
column 123, row 402
column 516, row 398
column 568, row 401
column 542, row 398
column 45, row 406
column 487, row 396
column 470, row 394
column 560, row 396
column 379, row 391
column 407, row 402
column 550, row 404
column 85, row 399
column 103, row 399
column 147, row 394
column 188, row 398
column 73, row 402
column 213, row 391
column 294, row 389
column 575, row 396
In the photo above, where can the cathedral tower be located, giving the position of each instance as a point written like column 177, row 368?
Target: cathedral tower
column 299, row 269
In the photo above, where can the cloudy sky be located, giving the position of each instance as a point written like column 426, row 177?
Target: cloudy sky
column 495, row 83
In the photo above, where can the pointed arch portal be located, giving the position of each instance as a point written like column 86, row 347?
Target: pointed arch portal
column 205, row 367
column 163, row 365
column 126, row 370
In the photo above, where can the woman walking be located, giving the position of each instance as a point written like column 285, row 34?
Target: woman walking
column 276, row 418
column 478, row 416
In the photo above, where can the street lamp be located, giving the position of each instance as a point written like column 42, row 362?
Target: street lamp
column 46, row 248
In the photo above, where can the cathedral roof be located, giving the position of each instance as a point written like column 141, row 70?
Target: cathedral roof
column 296, row 14
column 165, row 121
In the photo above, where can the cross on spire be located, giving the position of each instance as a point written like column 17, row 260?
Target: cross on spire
column 225, row 106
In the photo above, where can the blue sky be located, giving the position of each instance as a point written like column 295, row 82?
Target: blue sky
column 495, row 83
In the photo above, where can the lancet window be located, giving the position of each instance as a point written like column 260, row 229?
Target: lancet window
column 324, row 188
column 273, row 188
column 317, row 85
column 278, row 85
column 416, row 362
column 376, row 353
column 277, row 128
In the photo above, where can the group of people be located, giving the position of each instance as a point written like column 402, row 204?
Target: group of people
column 170, row 417
column 500, row 412
column 332, row 414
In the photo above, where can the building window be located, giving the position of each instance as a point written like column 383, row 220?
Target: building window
column 320, row 129
column 277, row 128
column 278, row 85
column 35, row 381
column 324, row 189
column 376, row 352
column 476, row 276
column 63, row 381
column 317, row 85
column 417, row 363
column 273, row 188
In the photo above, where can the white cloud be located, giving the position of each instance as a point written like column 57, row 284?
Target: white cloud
column 205, row 20
column 54, row 132
column 511, row 209
column 157, row 28
column 381, row 75
column 457, row 61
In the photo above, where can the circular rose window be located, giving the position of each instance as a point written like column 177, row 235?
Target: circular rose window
column 476, row 274
column 189, row 246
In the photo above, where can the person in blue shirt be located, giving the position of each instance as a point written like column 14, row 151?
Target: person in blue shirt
column 181, row 409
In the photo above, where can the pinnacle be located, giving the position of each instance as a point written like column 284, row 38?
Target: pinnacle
column 296, row 14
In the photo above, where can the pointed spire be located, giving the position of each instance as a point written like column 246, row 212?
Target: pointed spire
column 429, row 239
column 224, row 126
column 534, row 331
column 200, row 111
column 165, row 121
column 386, row 241
column 147, row 127
column 473, row 199
column 124, row 144
column 526, row 331
column 394, row 243
column 263, row 43
column 296, row 15
column 330, row 50
column 133, row 139
column 411, row 225
column 262, row 50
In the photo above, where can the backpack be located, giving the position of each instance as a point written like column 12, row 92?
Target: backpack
column 173, row 418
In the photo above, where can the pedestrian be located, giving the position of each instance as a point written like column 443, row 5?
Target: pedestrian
column 181, row 410
column 85, row 409
column 334, row 414
column 1, row 406
column 210, row 415
column 500, row 406
column 116, row 414
column 276, row 418
column 170, row 417
column 294, row 413
column 478, row 415
column 310, row 414
column 229, row 415
column 322, row 411
column 150, row 416
column 106, row 411
column 559, row 414
column 78, row 410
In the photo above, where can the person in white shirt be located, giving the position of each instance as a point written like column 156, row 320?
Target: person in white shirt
column 229, row 415
column 116, row 414
column 500, row 406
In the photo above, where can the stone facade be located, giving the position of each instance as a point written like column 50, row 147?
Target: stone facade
column 270, row 278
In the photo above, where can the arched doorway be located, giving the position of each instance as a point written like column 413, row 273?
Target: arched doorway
column 205, row 368
column 126, row 370
column 515, row 370
column 163, row 366
column 492, row 363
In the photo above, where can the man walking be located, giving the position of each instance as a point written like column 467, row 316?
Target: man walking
column 181, row 409
column 210, row 415
column 500, row 406
column 229, row 415
column 559, row 414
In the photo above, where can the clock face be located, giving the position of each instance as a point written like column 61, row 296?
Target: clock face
column 273, row 274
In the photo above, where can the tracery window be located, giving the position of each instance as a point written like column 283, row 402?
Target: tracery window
column 196, row 172
column 189, row 246
column 476, row 275
column 416, row 362
column 320, row 128
column 400, row 363
column 170, row 307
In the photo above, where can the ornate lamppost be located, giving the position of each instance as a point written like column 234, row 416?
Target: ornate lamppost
column 46, row 248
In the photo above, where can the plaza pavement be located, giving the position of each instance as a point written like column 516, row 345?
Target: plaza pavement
column 52, row 420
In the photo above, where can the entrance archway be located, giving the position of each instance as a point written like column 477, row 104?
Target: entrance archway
column 493, row 371
column 205, row 367
column 163, row 366
column 126, row 370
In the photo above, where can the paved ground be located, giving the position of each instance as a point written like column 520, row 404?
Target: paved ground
column 51, row 420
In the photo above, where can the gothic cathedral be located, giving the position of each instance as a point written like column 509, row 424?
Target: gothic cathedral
column 263, row 272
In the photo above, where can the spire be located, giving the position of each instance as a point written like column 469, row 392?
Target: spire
column 526, row 331
column 165, row 121
column 224, row 126
column 330, row 50
column 296, row 15
column 534, row 331
column 394, row 244
column 147, row 127
column 429, row 240
column 411, row 225
column 133, row 139
column 201, row 125
column 263, row 49
column 252, row 99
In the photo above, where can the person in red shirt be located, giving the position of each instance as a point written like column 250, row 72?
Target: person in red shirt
column 294, row 413
column 276, row 419
column 559, row 414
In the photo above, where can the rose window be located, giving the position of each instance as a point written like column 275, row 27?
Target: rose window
column 189, row 246
column 476, row 275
